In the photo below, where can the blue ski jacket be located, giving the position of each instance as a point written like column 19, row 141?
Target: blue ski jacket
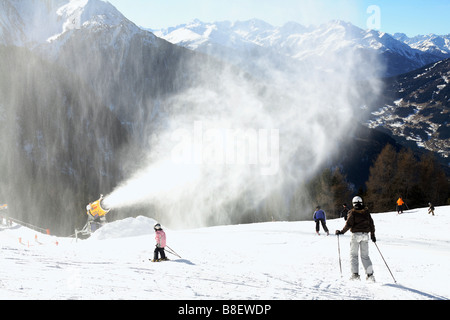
column 319, row 214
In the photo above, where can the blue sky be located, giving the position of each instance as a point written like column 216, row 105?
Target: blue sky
column 412, row 17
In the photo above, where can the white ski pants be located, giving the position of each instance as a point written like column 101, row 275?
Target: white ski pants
column 360, row 242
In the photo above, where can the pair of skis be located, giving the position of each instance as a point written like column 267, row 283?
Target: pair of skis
column 169, row 250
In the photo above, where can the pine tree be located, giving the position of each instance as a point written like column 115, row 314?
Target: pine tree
column 433, row 182
column 380, row 191
column 406, row 175
column 402, row 174
column 330, row 190
column 340, row 189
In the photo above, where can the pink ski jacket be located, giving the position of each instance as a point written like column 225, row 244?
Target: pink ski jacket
column 160, row 237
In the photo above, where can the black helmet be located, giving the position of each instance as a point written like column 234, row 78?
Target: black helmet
column 358, row 203
column 157, row 227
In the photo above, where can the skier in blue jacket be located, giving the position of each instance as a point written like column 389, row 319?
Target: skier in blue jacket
column 320, row 217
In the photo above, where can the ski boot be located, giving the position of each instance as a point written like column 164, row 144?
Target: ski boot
column 370, row 278
column 355, row 276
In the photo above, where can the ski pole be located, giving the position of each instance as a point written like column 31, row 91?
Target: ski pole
column 168, row 251
column 385, row 262
column 173, row 252
column 339, row 254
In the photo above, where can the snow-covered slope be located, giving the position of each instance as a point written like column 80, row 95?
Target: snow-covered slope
column 270, row 261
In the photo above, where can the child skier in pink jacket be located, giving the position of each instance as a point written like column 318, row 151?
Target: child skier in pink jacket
column 160, row 237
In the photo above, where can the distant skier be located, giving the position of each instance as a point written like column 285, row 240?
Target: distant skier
column 431, row 208
column 344, row 212
column 400, row 203
column 160, row 237
column 360, row 223
column 319, row 216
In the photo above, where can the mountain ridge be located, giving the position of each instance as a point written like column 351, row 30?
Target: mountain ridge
column 299, row 42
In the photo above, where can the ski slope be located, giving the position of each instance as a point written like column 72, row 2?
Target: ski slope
column 264, row 261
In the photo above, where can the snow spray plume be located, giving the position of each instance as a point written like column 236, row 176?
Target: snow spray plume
column 237, row 149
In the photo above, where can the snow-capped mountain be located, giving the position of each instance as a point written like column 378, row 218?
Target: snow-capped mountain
column 423, row 126
column 95, row 41
column 22, row 21
column 297, row 42
column 438, row 45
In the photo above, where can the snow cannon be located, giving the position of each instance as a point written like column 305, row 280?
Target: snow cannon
column 96, row 212
column 97, row 209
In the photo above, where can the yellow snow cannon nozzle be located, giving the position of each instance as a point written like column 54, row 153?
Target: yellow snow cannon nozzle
column 95, row 208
